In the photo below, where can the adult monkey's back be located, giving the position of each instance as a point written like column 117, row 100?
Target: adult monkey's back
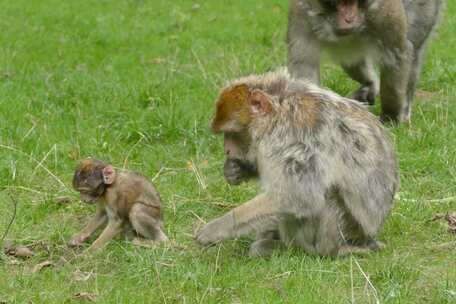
column 358, row 34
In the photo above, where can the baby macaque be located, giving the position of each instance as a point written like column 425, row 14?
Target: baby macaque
column 126, row 200
column 326, row 165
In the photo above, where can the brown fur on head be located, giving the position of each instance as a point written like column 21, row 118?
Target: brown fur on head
column 91, row 178
column 236, row 107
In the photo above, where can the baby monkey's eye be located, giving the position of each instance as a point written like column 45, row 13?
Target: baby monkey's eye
column 362, row 3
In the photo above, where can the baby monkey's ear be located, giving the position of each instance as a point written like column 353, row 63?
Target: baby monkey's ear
column 109, row 175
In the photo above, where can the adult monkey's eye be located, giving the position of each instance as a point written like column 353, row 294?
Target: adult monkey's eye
column 329, row 4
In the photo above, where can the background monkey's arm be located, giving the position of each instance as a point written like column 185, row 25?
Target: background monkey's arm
column 303, row 48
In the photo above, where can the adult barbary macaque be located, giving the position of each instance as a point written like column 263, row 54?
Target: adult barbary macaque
column 358, row 34
column 326, row 166
column 125, row 200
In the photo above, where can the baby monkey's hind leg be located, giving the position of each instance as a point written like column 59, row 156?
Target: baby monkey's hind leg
column 146, row 222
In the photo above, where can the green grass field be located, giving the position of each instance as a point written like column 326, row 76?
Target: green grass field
column 133, row 82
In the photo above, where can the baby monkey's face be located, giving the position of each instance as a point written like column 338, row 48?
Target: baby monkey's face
column 88, row 180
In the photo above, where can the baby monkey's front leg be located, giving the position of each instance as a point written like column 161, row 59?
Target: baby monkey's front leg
column 94, row 223
column 115, row 226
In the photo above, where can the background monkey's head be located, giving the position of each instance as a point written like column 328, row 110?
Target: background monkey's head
column 340, row 17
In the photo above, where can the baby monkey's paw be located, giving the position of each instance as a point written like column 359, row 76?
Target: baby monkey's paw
column 77, row 240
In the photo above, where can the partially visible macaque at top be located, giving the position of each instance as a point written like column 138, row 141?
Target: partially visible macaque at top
column 358, row 34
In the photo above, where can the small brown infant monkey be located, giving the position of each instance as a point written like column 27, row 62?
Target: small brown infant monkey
column 126, row 200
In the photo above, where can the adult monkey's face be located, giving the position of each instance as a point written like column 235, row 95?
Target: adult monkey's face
column 345, row 16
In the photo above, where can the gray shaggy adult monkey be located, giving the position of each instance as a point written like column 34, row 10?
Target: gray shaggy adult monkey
column 326, row 165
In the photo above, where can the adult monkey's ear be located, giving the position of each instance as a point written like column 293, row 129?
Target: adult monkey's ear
column 260, row 103
column 109, row 175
